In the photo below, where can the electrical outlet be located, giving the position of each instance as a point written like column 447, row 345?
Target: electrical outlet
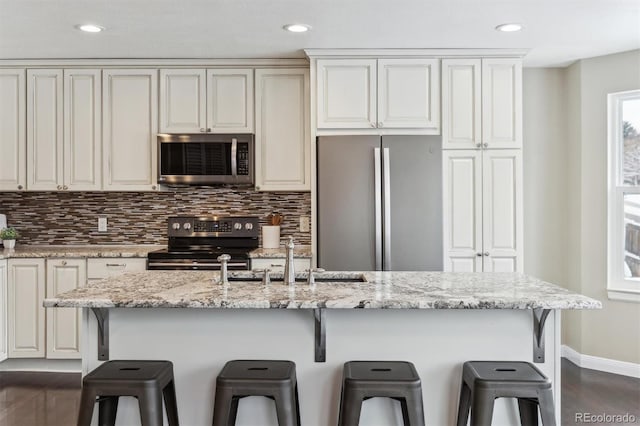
column 304, row 223
column 102, row 224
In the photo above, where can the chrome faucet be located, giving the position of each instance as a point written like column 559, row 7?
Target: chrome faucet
column 289, row 270
column 223, row 259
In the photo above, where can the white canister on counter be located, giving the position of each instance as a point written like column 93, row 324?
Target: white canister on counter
column 270, row 236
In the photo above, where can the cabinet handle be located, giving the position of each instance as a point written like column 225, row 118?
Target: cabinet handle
column 380, row 124
column 208, row 129
column 479, row 254
column 373, row 125
column 153, row 187
column 478, row 145
column 257, row 188
column 19, row 186
column 64, row 263
column 201, row 129
column 486, row 253
column 116, row 265
column 485, row 145
column 59, row 187
column 277, row 265
column 65, row 187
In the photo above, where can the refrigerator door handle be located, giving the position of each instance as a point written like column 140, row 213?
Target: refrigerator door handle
column 378, row 206
column 386, row 176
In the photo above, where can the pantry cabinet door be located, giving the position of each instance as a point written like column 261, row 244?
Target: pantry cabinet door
column 182, row 100
column 13, row 140
column 26, row 319
column 130, row 117
column 502, row 103
column 230, row 101
column 44, row 130
column 82, row 130
column 461, row 103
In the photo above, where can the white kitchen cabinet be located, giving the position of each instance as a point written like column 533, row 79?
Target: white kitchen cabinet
column 276, row 264
column 3, row 311
column 211, row 101
column 26, row 315
column 13, row 141
column 44, row 129
column 482, row 206
column 370, row 94
column 283, row 145
column 109, row 267
column 482, row 103
column 63, row 324
column 130, row 115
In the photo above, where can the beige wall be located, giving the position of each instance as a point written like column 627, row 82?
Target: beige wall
column 565, row 178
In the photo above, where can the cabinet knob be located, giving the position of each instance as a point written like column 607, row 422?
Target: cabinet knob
column 65, row 187
column 257, row 188
column 19, row 186
column 485, row 145
column 479, row 254
column 478, row 145
column 373, row 125
column 153, row 187
column 208, row 129
column 201, row 129
column 59, row 187
column 380, row 124
column 486, row 253
column 64, row 263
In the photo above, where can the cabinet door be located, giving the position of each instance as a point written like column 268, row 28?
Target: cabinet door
column 26, row 314
column 502, row 103
column 63, row 324
column 82, row 130
column 230, row 101
column 3, row 310
column 346, row 91
column 13, row 141
column 44, row 130
column 409, row 94
column 282, row 130
column 182, row 101
column 462, row 215
column 130, row 111
column 502, row 210
column 461, row 103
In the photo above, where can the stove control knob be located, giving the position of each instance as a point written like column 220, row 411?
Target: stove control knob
column 175, row 226
column 237, row 226
column 186, row 226
column 248, row 226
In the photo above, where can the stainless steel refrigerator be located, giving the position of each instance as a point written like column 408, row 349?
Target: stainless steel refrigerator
column 380, row 203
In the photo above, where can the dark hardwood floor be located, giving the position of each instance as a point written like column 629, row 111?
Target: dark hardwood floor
column 51, row 399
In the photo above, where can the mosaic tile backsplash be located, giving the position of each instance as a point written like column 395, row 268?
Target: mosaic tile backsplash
column 56, row 218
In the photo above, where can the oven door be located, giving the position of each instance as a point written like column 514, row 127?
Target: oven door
column 205, row 159
column 195, row 264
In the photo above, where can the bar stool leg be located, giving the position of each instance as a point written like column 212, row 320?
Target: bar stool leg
column 415, row 409
column 482, row 408
column 107, row 409
column 528, row 412
column 150, row 402
column 224, row 407
column 87, row 401
column 285, row 408
column 297, row 406
column 350, row 407
column 464, row 405
column 547, row 411
column 170, row 401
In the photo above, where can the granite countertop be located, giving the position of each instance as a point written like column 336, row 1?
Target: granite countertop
column 79, row 251
column 265, row 253
column 399, row 290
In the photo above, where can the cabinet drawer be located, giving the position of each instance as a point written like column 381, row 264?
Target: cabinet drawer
column 277, row 264
column 104, row 268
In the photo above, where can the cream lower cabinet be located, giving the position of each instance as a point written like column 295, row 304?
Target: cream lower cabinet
column 63, row 324
column 13, row 140
column 482, row 205
column 26, row 319
column 283, row 141
column 3, row 310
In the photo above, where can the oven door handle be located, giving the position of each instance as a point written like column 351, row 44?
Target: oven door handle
column 234, row 157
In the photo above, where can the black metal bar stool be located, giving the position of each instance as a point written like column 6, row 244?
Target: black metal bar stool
column 273, row 379
column 148, row 381
column 398, row 380
column 484, row 381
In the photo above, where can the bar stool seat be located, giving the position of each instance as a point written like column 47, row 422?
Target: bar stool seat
column 484, row 381
column 148, row 381
column 272, row 379
column 398, row 380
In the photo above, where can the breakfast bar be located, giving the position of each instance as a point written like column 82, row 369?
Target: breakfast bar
column 436, row 320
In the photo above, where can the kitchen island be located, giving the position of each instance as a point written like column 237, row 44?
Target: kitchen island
column 435, row 320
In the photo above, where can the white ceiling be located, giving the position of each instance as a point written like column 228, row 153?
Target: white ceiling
column 557, row 31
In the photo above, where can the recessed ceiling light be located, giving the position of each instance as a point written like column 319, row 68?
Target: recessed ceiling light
column 297, row 28
column 508, row 28
column 89, row 28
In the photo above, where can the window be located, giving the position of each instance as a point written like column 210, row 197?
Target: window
column 624, row 196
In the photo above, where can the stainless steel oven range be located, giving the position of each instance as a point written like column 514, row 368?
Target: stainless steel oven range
column 195, row 242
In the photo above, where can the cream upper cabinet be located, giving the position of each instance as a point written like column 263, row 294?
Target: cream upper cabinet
column 82, row 130
column 409, row 93
column 4, row 353
column 44, row 129
column 482, row 206
column 211, row 101
column 130, row 112
column 26, row 319
column 63, row 324
column 13, row 141
column 371, row 95
column 482, row 103
column 346, row 93
column 282, row 130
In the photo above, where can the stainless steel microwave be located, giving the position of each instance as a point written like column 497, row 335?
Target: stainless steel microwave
column 204, row 159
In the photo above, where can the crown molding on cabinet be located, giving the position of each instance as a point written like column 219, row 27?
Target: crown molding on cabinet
column 154, row 63
column 413, row 53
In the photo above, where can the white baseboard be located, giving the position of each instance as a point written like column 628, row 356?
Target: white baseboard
column 601, row 364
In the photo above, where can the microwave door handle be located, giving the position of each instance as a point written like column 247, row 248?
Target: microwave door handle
column 234, row 157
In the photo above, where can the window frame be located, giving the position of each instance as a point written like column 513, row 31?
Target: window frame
column 618, row 287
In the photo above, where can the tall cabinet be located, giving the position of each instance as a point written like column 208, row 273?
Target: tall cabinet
column 482, row 164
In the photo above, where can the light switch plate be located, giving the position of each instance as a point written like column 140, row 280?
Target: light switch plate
column 102, row 224
column 304, row 223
